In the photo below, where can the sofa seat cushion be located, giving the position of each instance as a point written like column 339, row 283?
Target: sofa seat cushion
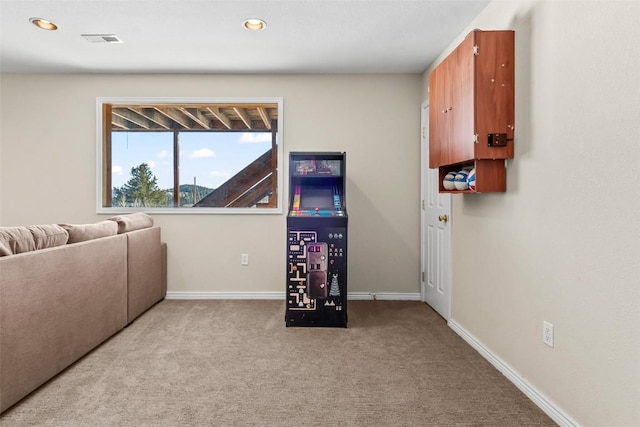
column 16, row 240
column 132, row 222
column 83, row 232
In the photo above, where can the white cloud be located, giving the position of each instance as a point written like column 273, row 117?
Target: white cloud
column 151, row 164
column 254, row 137
column 162, row 154
column 116, row 170
column 202, row 153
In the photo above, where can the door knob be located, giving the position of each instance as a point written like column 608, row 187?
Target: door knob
column 444, row 218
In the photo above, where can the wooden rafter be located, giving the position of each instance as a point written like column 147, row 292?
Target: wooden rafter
column 197, row 116
column 222, row 117
column 265, row 117
column 119, row 124
column 243, row 116
column 153, row 115
column 175, row 116
column 130, row 116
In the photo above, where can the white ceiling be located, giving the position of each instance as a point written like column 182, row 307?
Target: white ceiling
column 207, row 36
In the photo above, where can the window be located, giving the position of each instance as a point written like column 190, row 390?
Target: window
column 189, row 155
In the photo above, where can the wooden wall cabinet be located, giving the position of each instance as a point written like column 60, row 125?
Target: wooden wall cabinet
column 471, row 113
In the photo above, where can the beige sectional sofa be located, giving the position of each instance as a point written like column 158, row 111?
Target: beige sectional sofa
column 59, row 301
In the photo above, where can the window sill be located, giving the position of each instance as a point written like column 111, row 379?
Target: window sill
column 190, row 211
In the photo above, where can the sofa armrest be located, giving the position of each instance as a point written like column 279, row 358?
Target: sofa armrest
column 144, row 263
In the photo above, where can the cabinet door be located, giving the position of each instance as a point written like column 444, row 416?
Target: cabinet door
column 436, row 144
column 440, row 130
column 494, row 92
column 461, row 147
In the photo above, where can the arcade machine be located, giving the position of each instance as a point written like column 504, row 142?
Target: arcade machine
column 316, row 292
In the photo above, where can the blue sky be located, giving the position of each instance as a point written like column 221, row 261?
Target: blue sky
column 212, row 157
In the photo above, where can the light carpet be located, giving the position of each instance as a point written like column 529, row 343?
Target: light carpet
column 234, row 363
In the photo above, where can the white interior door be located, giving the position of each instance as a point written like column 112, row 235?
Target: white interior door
column 435, row 232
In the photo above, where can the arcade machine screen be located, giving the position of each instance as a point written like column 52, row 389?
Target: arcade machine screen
column 312, row 198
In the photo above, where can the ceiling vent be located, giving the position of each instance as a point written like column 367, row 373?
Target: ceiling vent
column 101, row 38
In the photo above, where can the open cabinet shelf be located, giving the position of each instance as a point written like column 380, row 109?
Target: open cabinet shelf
column 491, row 176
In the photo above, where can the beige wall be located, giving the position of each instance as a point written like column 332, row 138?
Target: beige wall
column 562, row 244
column 48, row 172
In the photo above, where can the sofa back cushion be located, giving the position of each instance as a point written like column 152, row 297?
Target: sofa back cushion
column 132, row 222
column 83, row 232
column 16, row 240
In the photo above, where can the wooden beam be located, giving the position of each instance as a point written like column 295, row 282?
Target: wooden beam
column 176, row 168
column 222, row 117
column 131, row 116
column 265, row 117
column 254, row 195
column 119, row 122
column 173, row 114
column 153, row 116
column 224, row 105
column 118, row 126
column 239, row 184
column 197, row 116
column 237, row 126
column 243, row 116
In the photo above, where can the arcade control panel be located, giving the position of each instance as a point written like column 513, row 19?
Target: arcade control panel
column 316, row 276
column 316, row 212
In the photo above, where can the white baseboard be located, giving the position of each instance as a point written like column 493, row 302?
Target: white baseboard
column 388, row 296
column 537, row 397
column 225, row 295
column 280, row 295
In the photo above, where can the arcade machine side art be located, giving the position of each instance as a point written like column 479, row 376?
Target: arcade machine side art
column 316, row 293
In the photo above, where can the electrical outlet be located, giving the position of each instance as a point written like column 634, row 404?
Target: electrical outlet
column 547, row 333
column 244, row 259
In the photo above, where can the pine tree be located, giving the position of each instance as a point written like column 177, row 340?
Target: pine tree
column 141, row 189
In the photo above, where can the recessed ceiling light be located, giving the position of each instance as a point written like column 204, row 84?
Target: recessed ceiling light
column 43, row 23
column 254, row 24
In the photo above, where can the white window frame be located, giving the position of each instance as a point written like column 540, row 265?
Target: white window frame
column 111, row 210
